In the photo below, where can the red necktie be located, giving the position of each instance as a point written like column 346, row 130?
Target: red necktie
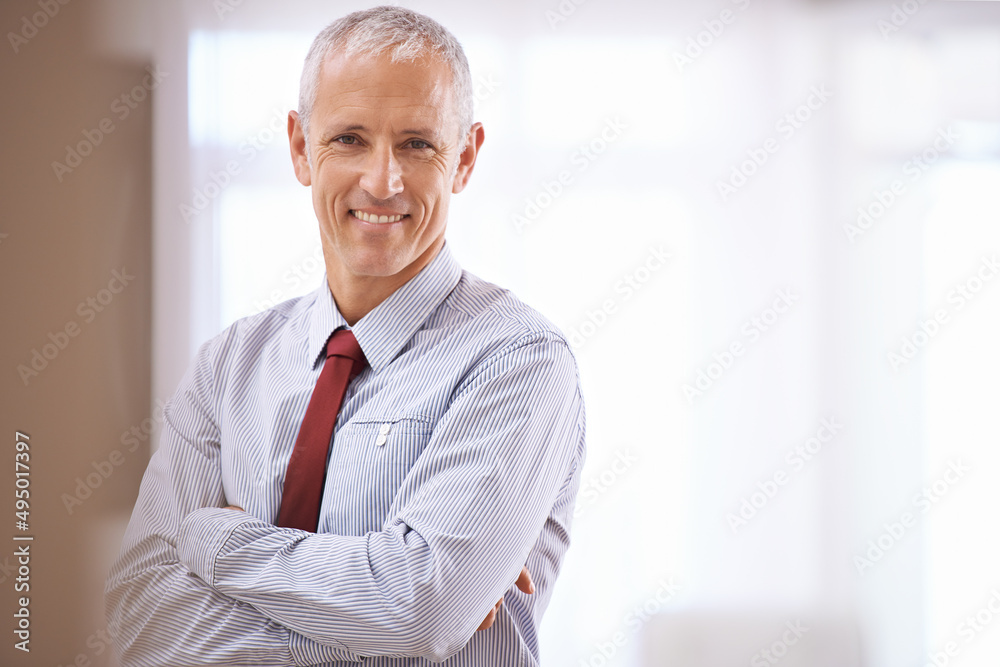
column 303, row 490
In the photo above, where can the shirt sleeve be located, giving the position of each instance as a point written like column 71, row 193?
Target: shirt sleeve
column 479, row 495
column 159, row 613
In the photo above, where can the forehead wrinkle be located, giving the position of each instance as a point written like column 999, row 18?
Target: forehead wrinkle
column 424, row 120
column 429, row 105
column 382, row 97
column 378, row 101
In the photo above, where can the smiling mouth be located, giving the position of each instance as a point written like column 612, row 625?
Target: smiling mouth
column 376, row 219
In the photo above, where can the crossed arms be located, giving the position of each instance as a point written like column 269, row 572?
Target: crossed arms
column 476, row 501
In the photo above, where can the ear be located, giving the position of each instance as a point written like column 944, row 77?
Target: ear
column 467, row 160
column 297, row 145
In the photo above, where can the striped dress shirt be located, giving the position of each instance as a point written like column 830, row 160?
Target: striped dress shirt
column 455, row 460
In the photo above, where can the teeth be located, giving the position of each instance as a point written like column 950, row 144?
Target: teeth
column 378, row 219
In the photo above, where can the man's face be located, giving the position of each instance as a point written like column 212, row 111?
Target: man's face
column 386, row 156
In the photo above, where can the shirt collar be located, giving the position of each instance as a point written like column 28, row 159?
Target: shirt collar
column 384, row 331
column 323, row 320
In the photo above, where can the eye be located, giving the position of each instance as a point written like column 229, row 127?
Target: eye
column 419, row 144
column 347, row 139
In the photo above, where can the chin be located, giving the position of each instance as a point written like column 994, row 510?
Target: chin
column 377, row 263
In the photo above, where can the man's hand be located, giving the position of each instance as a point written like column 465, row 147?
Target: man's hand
column 523, row 583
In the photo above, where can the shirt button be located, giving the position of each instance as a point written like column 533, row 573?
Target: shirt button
column 380, row 440
column 384, row 430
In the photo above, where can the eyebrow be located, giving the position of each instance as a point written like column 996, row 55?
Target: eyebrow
column 352, row 128
column 421, row 131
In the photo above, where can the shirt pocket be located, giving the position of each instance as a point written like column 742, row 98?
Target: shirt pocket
column 369, row 460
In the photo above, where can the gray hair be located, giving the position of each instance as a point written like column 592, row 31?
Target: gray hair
column 401, row 33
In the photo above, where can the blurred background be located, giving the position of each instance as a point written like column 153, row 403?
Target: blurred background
column 770, row 228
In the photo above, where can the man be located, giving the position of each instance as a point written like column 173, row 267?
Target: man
column 457, row 449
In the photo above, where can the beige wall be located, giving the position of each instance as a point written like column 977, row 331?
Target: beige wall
column 61, row 244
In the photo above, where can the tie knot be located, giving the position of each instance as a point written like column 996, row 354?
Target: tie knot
column 343, row 344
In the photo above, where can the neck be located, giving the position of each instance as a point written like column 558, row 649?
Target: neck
column 358, row 295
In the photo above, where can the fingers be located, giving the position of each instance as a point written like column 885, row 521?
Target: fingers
column 488, row 621
column 490, row 617
column 234, row 507
column 524, row 582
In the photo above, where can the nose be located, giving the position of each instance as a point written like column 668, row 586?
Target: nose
column 382, row 175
